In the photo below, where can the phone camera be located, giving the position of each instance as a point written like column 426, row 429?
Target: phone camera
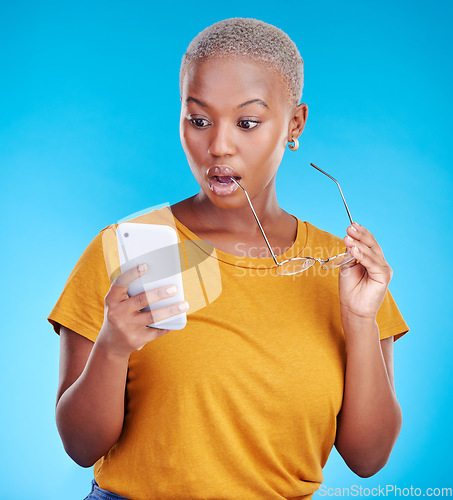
column 126, row 235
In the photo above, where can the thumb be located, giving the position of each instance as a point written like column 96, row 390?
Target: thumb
column 121, row 282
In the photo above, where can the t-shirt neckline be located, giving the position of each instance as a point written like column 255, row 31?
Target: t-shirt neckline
column 295, row 250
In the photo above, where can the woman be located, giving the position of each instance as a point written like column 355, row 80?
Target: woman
column 248, row 399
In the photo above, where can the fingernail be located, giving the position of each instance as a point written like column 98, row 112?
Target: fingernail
column 171, row 290
column 184, row 306
column 354, row 227
column 349, row 238
column 142, row 268
column 356, row 249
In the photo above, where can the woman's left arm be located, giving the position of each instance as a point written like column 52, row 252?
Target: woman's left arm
column 370, row 418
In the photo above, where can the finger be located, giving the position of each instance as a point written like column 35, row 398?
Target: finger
column 360, row 233
column 141, row 300
column 118, row 290
column 353, row 262
column 161, row 313
column 377, row 267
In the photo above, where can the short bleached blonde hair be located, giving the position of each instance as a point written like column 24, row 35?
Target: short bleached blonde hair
column 253, row 39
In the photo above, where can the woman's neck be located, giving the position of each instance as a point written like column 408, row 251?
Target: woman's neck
column 213, row 217
column 224, row 228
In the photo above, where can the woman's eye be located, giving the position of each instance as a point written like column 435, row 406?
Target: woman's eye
column 248, row 124
column 199, row 122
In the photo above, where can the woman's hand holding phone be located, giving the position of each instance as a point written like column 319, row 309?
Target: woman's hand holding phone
column 125, row 324
column 90, row 403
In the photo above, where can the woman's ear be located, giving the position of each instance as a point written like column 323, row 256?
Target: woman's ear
column 297, row 122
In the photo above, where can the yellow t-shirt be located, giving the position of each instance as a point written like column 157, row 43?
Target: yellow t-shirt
column 242, row 403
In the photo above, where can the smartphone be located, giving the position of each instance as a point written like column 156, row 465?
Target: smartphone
column 157, row 246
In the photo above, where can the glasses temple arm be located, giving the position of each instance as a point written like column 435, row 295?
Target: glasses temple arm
column 257, row 220
column 341, row 192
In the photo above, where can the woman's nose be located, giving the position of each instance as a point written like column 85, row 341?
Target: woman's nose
column 222, row 141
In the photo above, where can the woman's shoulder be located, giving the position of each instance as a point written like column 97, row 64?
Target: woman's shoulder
column 321, row 241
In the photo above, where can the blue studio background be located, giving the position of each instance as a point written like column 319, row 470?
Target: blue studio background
column 89, row 133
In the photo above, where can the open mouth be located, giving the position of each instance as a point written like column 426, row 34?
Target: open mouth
column 222, row 185
column 224, row 179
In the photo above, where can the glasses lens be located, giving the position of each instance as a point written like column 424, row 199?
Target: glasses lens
column 338, row 260
column 294, row 266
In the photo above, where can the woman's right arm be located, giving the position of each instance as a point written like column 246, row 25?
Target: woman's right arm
column 92, row 382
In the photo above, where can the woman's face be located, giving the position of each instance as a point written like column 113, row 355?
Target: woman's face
column 236, row 119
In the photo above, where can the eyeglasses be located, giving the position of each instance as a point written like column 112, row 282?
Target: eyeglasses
column 300, row 264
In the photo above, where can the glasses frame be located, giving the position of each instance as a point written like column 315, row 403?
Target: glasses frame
column 305, row 259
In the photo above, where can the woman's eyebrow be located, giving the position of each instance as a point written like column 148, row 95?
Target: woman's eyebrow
column 259, row 101
column 201, row 103
column 204, row 105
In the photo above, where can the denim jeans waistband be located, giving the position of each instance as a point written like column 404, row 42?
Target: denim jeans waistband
column 98, row 493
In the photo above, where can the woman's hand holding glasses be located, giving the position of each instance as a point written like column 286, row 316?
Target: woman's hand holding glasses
column 364, row 281
column 364, row 272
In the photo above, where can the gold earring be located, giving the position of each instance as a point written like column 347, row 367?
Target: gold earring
column 295, row 146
